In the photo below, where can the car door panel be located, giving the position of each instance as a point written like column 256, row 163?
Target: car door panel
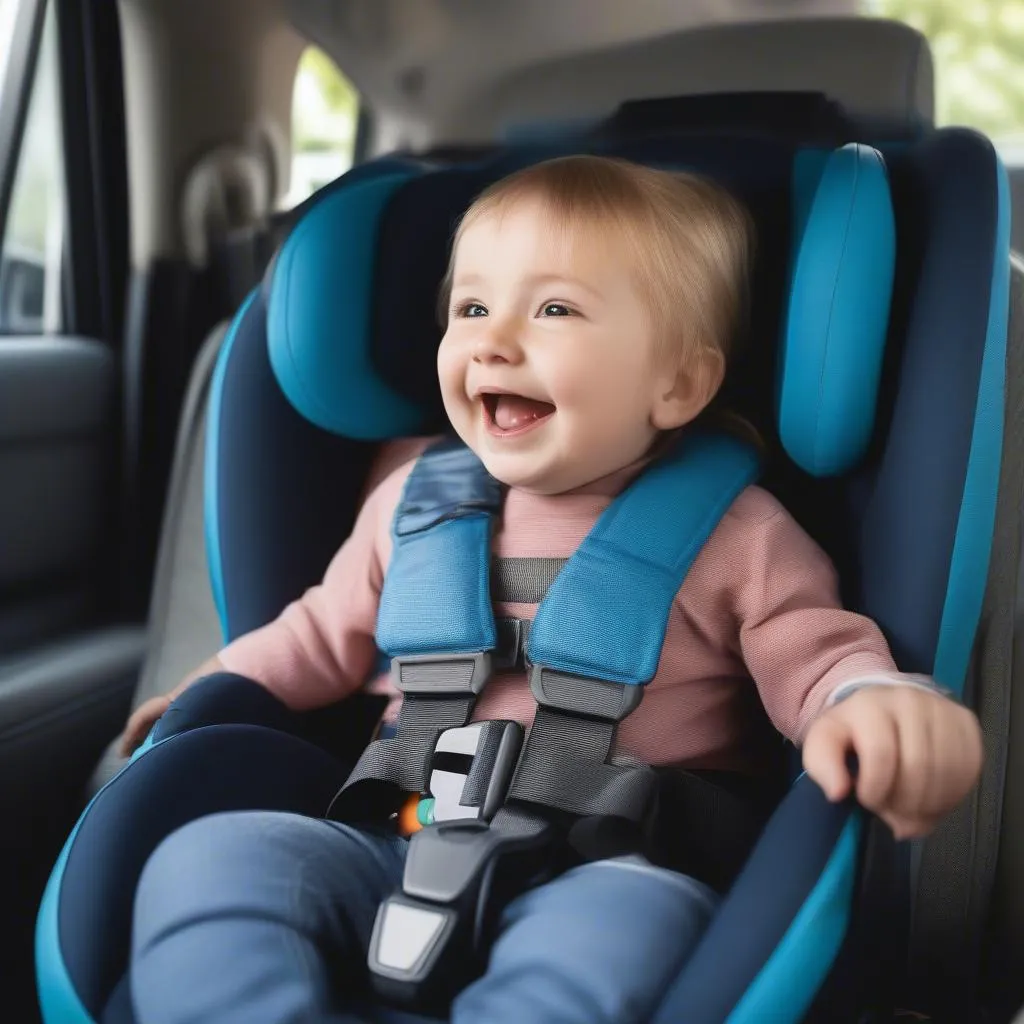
column 56, row 426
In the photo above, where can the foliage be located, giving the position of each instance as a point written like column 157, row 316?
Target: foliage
column 326, row 104
column 978, row 46
column 336, row 88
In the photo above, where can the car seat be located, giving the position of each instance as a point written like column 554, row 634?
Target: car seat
column 335, row 353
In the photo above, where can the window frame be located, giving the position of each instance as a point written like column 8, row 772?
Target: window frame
column 94, row 265
column 16, row 95
column 96, row 259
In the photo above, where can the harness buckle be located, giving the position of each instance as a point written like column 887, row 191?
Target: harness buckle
column 472, row 770
column 431, row 935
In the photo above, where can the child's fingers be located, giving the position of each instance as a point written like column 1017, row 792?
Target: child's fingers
column 140, row 722
column 876, row 744
column 958, row 736
column 910, row 826
column 128, row 742
column 913, row 795
column 130, row 737
column 824, row 756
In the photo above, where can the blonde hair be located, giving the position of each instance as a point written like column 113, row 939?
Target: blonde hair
column 690, row 241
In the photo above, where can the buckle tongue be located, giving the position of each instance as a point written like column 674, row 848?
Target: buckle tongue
column 472, row 769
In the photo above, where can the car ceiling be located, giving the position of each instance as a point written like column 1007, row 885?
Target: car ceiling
column 422, row 61
column 205, row 75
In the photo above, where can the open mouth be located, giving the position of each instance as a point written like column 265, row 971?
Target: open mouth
column 507, row 415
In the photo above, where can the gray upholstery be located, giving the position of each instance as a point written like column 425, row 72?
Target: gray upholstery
column 1000, row 807
column 183, row 627
column 967, row 872
column 879, row 70
column 54, row 680
column 56, row 414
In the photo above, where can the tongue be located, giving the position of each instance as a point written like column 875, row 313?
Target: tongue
column 513, row 411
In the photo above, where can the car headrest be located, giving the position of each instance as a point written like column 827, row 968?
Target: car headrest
column 880, row 70
column 352, row 296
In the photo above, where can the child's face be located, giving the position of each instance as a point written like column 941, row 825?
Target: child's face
column 548, row 367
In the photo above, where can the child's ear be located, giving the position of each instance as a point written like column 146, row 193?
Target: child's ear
column 682, row 397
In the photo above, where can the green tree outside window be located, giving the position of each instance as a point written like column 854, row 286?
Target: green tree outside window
column 978, row 47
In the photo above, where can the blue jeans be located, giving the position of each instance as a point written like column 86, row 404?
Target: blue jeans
column 259, row 917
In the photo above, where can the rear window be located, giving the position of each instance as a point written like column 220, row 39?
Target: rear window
column 978, row 49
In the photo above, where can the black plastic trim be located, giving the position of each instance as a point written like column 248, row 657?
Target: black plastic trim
column 95, row 159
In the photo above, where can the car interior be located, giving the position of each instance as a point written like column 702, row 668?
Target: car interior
column 154, row 165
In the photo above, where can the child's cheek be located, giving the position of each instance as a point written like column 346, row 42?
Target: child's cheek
column 570, row 383
column 587, row 384
column 449, row 376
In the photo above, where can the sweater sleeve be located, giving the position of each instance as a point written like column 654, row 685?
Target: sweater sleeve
column 797, row 641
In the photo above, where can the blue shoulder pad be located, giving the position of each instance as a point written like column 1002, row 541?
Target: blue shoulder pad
column 436, row 597
column 606, row 613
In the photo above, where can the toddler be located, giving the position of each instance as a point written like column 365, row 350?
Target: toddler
column 591, row 305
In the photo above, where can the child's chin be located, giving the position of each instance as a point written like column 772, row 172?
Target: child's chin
column 532, row 483
column 510, row 471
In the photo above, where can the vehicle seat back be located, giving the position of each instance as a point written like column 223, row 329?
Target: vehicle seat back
column 344, row 330
column 830, row 511
column 917, row 565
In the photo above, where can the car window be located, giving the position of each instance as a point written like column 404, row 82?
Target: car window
column 978, row 48
column 325, row 114
column 8, row 11
column 33, row 243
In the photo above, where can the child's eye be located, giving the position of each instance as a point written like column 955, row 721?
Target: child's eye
column 555, row 309
column 470, row 309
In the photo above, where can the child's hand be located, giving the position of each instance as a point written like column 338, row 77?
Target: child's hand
column 918, row 754
column 142, row 719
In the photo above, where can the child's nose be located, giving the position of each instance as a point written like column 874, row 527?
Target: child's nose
column 497, row 344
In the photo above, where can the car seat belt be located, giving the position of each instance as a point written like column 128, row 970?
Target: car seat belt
column 503, row 808
column 594, row 643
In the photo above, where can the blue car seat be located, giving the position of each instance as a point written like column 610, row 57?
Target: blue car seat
column 876, row 360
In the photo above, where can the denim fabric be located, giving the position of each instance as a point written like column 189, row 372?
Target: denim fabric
column 261, row 917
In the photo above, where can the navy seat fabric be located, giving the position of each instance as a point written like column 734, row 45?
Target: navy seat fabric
column 909, row 526
column 198, row 771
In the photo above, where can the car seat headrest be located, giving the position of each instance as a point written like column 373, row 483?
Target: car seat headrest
column 336, row 283
column 318, row 317
column 879, row 69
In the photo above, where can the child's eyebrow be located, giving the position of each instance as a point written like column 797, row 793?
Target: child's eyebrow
column 463, row 280
column 472, row 279
column 553, row 278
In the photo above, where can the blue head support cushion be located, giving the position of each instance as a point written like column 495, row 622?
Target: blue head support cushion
column 319, row 316
column 320, row 333
column 837, row 314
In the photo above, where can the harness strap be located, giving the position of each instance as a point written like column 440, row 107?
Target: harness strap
column 401, row 762
column 595, row 641
column 606, row 613
column 564, row 766
column 436, row 597
column 523, row 580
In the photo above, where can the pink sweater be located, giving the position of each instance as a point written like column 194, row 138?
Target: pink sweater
column 758, row 609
